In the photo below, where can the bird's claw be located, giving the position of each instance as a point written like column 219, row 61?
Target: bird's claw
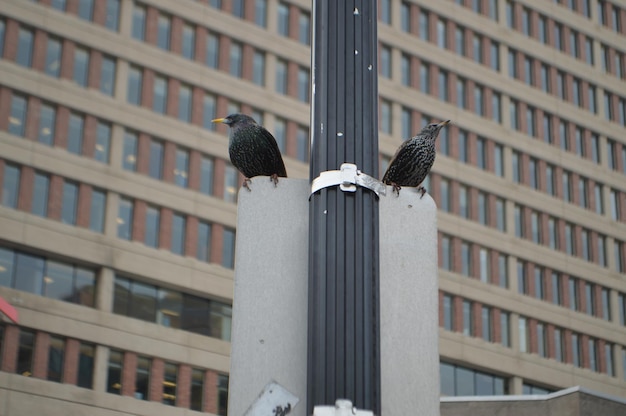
column 246, row 184
column 274, row 178
column 396, row 188
column 422, row 191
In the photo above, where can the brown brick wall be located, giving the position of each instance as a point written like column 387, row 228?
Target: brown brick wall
column 70, row 362
column 40, row 359
column 55, row 197
column 25, row 192
column 155, row 391
column 10, row 348
column 129, row 371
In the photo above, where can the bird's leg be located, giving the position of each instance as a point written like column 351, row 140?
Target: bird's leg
column 422, row 191
column 396, row 188
column 274, row 178
column 246, row 184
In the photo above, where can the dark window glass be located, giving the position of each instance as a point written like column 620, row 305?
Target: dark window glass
column 504, row 329
column 2, row 32
column 56, row 352
column 24, row 47
column 197, row 389
column 98, row 208
column 41, row 188
column 30, row 270
column 303, row 84
column 75, row 134
column 143, row 303
column 125, row 219
column 25, row 353
column 10, row 186
column 169, row 308
column 7, row 261
column 222, row 395
column 156, row 160
column 203, row 252
column 142, row 377
column 107, row 75
column 81, row 66
column 170, row 379
column 70, row 203
column 221, row 319
column 53, row 57
column 153, row 220
column 114, row 371
column 446, row 373
column 59, row 281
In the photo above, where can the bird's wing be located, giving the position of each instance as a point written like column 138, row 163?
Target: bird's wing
column 398, row 158
column 274, row 152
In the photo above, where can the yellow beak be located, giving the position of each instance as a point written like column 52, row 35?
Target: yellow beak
column 217, row 120
column 444, row 123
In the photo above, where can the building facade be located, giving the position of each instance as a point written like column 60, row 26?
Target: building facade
column 118, row 202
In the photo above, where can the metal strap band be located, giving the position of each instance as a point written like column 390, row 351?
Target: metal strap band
column 348, row 177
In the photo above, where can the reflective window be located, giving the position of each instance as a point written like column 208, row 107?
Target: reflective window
column 448, row 312
column 197, row 389
column 184, row 103
column 462, row 381
column 17, row 119
column 302, row 144
column 142, row 377
column 41, row 188
column 423, row 25
column 212, row 50
column 163, row 32
column 303, row 84
column 24, row 47
column 206, row 175
column 231, row 177
column 236, row 59
column 81, row 66
column 446, row 253
column 103, row 142
column 139, row 22
column 424, row 78
column 228, row 248
column 25, row 353
column 203, row 249
column 443, row 85
column 258, row 68
column 125, row 219
column 85, row 9
column 486, row 323
column 503, row 271
column 152, row 231
column 98, row 208
column 304, row 28
column 209, row 111
column 467, row 318
column 159, row 101
column 495, row 56
column 283, row 19
column 75, row 134
column 179, row 222
column 260, row 17
column 576, row 350
column 53, row 57
column 112, row 15
column 2, row 32
column 505, row 337
column 189, row 42
column 524, row 339
column 281, row 76
column 70, row 203
column 135, row 79
column 385, row 61
column 107, row 75
column 129, row 161
column 156, row 160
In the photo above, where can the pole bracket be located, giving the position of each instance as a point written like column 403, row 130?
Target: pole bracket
column 348, row 177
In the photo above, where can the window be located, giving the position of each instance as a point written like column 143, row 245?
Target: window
column 424, row 78
column 212, row 50
column 163, row 32
column 17, row 119
column 159, row 103
column 156, row 160
column 601, row 251
column 558, row 37
column 423, row 25
column 281, row 76
column 406, row 69
column 81, row 66
column 230, row 183
column 539, row 283
column 448, row 313
column 75, row 134
column 459, row 40
column 302, row 144
column 152, row 231
column 203, row 249
column 462, row 381
column 85, row 9
column 486, row 324
column 139, row 22
column 142, row 377
column 608, row 359
column 573, row 293
column 112, row 15
column 236, row 59
column 500, row 215
column 228, row 248
column 303, row 84
column 461, row 96
column 129, row 157
column 135, row 79
column 385, row 61
column 170, row 378
column 516, row 165
column 510, row 15
column 107, row 75
column 188, row 49
column 514, row 115
column 441, row 33
column 467, row 317
column 567, row 187
column 304, row 28
column 443, row 85
column 184, row 103
column 444, row 204
column 593, row 355
column 24, row 47
column 2, row 31
column 589, row 299
column 56, row 352
column 495, row 56
column 85, row 365
column 498, row 160
column 179, row 223
column 125, row 219
column 483, row 209
column 114, row 371
column 25, row 353
column 70, row 203
column 41, row 189
column 478, row 100
column 385, row 116
column 283, row 19
column 477, row 42
column 103, row 142
column 97, row 211
column 542, row 348
column 524, row 339
column 52, row 66
column 258, row 68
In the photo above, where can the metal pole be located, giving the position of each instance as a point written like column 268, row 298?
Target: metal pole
column 343, row 335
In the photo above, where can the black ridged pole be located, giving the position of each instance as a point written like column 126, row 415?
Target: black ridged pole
column 343, row 338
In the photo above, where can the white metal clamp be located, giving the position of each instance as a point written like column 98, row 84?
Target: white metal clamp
column 348, row 177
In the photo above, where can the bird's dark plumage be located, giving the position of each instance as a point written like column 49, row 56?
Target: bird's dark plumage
column 414, row 158
column 252, row 149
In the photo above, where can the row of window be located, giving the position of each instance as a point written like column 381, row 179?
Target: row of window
column 614, row 108
column 471, row 260
column 611, row 15
column 456, row 380
column 562, row 290
column 181, row 234
column 613, row 61
column 87, row 67
column 47, row 277
column 171, row 308
column 51, row 196
column 566, row 346
column 473, row 319
column 103, row 12
column 52, row 125
column 616, row 155
column 71, row 361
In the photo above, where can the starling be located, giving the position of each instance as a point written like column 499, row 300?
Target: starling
column 413, row 159
column 252, row 149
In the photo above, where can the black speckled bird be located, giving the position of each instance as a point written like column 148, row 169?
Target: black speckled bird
column 252, row 149
column 414, row 159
